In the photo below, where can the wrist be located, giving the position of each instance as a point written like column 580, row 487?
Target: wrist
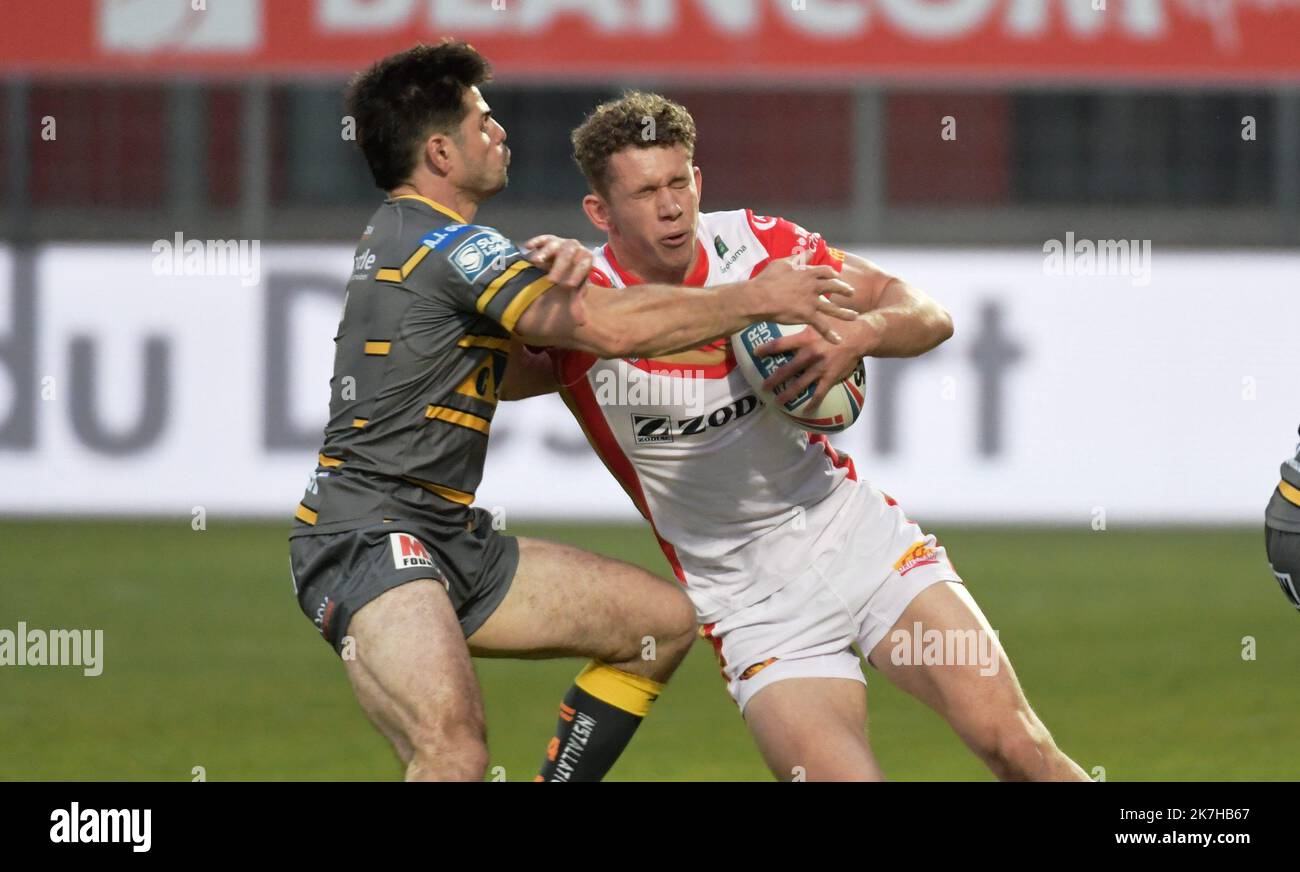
column 869, row 333
column 740, row 305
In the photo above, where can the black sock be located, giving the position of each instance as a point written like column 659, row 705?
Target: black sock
column 599, row 714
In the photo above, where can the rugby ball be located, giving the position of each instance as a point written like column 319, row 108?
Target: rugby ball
column 842, row 404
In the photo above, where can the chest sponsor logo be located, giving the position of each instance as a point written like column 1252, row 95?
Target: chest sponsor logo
column 731, row 261
column 362, row 264
column 650, row 429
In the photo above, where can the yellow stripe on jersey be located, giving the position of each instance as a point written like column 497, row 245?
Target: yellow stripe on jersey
column 448, row 493
column 393, row 274
column 1289, row 491
column 631, row 693
column 523, row 300
column 378, row 349
column 414, row 260
column 433, row 204
column 457, row 417
column 306, row 515
column 360, row 422
column 499, row 282
column 496, row 343
column 330, row 462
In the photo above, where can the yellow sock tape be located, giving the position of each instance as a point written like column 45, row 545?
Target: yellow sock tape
column 631, row 693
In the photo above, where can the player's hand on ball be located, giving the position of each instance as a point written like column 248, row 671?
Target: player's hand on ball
column 568, row 260
column 792, row 293
column 818, row 360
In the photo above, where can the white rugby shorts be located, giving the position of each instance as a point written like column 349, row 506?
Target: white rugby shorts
column 853, row 592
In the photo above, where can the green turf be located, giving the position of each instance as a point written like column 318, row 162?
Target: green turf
column 1127, row 642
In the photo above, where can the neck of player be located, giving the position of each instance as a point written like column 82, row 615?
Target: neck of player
column 458, row 201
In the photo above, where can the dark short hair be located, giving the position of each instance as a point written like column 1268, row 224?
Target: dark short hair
column 400, row 101
column 636, row 119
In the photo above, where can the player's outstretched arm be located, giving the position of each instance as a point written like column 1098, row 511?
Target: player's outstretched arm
column 649, row 320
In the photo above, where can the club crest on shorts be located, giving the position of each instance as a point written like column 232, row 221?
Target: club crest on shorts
column 920, row 554
column 409, row 552
column 757, row 668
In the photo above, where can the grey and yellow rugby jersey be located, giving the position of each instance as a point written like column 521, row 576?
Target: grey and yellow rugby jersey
column 1284, row 509
column 421, row 348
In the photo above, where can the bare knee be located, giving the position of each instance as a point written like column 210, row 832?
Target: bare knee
column 1017, row 747
column 663, row 642
column 443, row 751
column 679, row 629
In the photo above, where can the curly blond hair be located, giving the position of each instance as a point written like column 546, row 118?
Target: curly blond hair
column 636, row 119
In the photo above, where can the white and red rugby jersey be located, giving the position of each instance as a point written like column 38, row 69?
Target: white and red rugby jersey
column 736, row 493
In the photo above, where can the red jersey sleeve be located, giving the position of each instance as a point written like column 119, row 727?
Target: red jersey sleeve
column 782, row 238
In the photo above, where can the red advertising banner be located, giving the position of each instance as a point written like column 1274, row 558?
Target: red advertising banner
column 553, row 40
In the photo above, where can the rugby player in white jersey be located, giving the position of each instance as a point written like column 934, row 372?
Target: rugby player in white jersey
column 391, row 560
column 790, row 559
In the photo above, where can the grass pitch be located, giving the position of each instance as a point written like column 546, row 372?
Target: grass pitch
column 1129, row 645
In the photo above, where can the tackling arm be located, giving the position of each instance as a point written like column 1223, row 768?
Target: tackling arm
column 649, row 320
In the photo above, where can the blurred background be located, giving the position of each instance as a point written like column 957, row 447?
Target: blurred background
column 1095, row 445
column 226, row 119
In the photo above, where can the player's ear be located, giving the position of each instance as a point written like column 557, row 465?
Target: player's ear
column 439, row 151
column 597, row 211
column 698, row 181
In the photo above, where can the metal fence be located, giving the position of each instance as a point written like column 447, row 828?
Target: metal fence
column 89, row 160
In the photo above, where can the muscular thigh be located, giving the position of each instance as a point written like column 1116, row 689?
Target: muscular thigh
column 943, row 651
column 813, row 729
column 568, row 602
column 412, row 671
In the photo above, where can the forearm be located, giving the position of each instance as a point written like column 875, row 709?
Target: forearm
column 908, row 324
column 652, row 320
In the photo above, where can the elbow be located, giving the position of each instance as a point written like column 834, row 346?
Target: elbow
column 936, row 331
column 943, row 328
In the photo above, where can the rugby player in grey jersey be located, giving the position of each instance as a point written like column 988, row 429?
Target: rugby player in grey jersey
column 390, row 559
column 1282, row 530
